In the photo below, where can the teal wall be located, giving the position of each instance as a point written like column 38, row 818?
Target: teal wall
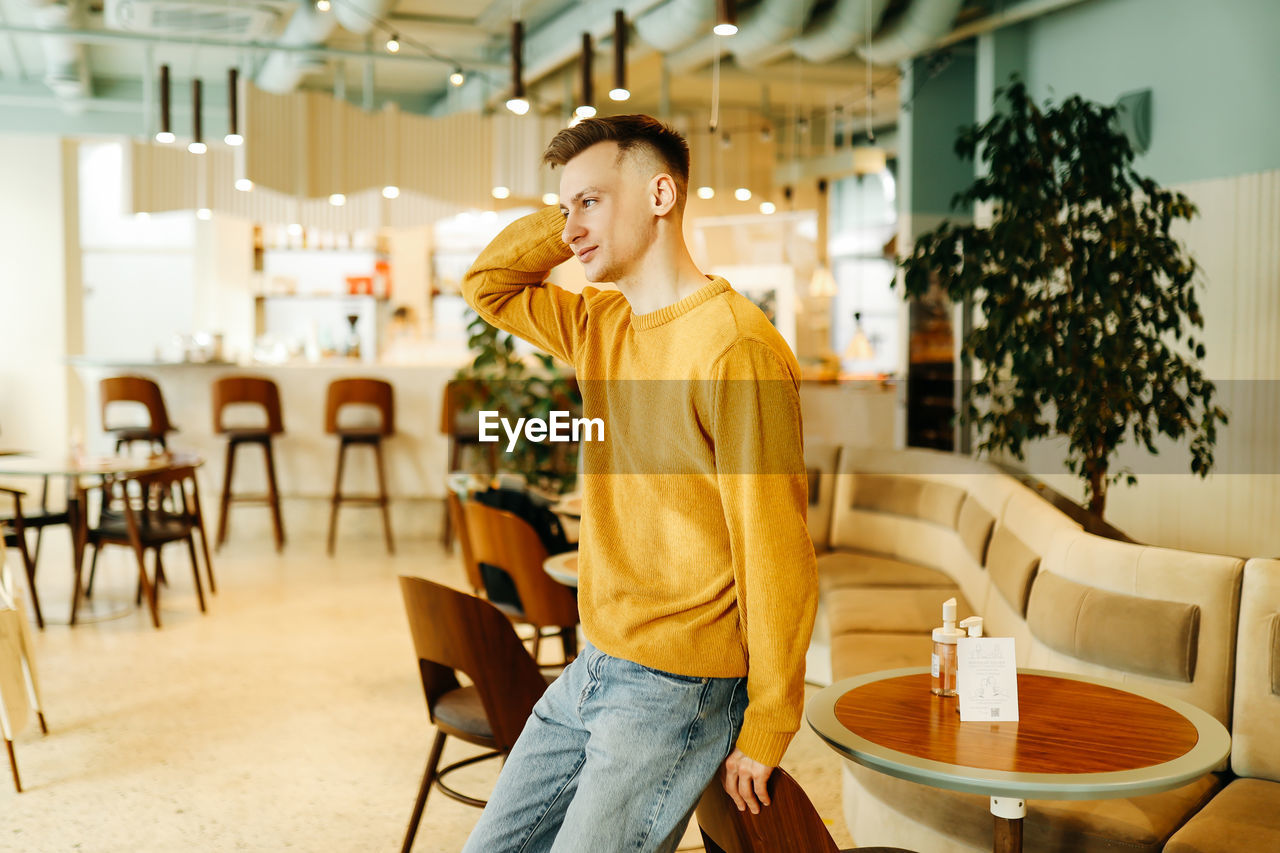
column 1213, row 67
column 942, row 105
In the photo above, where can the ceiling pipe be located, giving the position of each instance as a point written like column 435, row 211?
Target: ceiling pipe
column 839, row 30
column 283, row 70
column 764, row 34
column 674, row 24
column 66, row 64
column 918, row 29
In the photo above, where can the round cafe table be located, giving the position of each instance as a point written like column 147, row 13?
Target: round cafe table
column 1077, row 738
column 563, row 568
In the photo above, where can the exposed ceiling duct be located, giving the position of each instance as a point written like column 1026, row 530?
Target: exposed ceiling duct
column 675, row 24
column 917, row 29
column 66, row 65
column 764, row 34
column 839, row 30
column 282, row 71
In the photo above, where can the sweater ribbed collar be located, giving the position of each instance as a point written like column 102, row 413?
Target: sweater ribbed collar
column 713, row 288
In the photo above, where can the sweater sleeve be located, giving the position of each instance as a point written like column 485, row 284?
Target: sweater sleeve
column 760, row 471
column 507, row 285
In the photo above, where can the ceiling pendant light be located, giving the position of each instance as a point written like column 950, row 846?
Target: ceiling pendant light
column 705, row 192
column 586, row 103
column 196, row 145
column 322, row 5
column 244, row 185
column 869, row 159
column 233, row 136
column 389, row 191
column 165, row 135
column 517, row 103
column 393, row 43
column 619, row 92
column 726, row 18
column 337, row 199
column 457, row 78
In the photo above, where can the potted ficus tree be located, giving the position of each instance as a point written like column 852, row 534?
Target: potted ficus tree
column 1087, row 324
column 499, row 378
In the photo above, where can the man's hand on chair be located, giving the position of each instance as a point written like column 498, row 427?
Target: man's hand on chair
column 745, row 780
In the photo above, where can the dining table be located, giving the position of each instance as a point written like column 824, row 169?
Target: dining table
column 563, row 568
column 1076, row 738
column 83, row 474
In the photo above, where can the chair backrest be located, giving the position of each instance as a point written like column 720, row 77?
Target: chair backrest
column 135, row 389
column 459, row 519
column 455, row 632
column 454, row 419
column 247, row 389
column 503, row 539
column 369, row 392
column 789, row 822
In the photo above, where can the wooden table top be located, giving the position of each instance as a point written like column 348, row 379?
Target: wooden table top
column 1076, row 737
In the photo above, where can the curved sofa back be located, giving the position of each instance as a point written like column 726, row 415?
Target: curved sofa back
column 1255, row 732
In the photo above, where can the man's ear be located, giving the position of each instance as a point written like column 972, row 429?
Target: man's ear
column 662, row 194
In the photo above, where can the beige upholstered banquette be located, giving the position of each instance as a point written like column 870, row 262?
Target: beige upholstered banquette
column 908, row 529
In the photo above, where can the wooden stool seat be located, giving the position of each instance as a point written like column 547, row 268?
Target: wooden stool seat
column 261, row 392
column 145, row 392
column 380, row 396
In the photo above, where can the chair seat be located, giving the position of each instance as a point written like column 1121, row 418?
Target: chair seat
column 462, row 711
column 1244, row 816
column 361, row 433
column 257, row 434
column 907, row 610
column 838, row 569
column 137, row 433
column 167, row 529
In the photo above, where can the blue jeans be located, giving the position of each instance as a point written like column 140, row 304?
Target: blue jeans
column 614, row 757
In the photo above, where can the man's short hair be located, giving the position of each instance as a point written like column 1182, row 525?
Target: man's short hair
column 634, row 134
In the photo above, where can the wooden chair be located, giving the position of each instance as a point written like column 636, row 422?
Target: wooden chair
column 14, row 529
column 148, row 522
column 454, row 505
column 458, row 633
column 261, row 392
column 369, row 392
column 136, row 389
column 789, row 822
column 19, row 685
column 463, row 432
column 506, row 541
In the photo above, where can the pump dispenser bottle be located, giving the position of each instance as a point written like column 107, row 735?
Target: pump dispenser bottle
column 973, row 625
column 944, row 651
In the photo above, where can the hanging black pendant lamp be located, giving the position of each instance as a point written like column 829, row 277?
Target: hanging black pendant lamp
column 726, row 18
column 619, row 92
column 196, row 145
column 586, row 103
column 517, row 103
column 233, row 136
column 165, row 135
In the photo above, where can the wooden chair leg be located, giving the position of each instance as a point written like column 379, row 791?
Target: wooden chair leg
column 197, row 516
column 273, row 494
column 428, row 778
column 93, row 570
column 13, row 765
column 195, row 569
column 537, row 643
column 227, row 471
column 337, row 493
column 382, row 497
column 28, row 566
column 569, row 639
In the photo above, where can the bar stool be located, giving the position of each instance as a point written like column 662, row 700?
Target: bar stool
column 136, row 389
column 252, row 390
column 368, row 392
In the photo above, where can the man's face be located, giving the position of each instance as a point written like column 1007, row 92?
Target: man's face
column 608, row 222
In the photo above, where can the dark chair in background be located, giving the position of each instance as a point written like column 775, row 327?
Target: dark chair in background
column 159, row 507
column 143, row 391
column 458, row 633
column 379, row 395
column 14, row 530
column 249, row 390
column 502, row 540
column 789, row 822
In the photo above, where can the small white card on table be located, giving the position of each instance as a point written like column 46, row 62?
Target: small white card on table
column 987, row 680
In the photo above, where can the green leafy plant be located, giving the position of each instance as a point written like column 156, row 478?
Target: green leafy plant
column 1088, row 321
column 498, row 378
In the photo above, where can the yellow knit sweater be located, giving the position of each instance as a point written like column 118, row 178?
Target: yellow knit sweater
column 694, row 556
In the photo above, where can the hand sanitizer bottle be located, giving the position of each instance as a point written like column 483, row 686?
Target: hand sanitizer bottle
column 973, row 625
column 944, row 651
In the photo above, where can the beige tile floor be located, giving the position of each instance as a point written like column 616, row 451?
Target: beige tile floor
column 287, row 717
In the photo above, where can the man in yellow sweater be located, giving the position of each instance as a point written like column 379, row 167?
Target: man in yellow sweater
column 697, row 585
